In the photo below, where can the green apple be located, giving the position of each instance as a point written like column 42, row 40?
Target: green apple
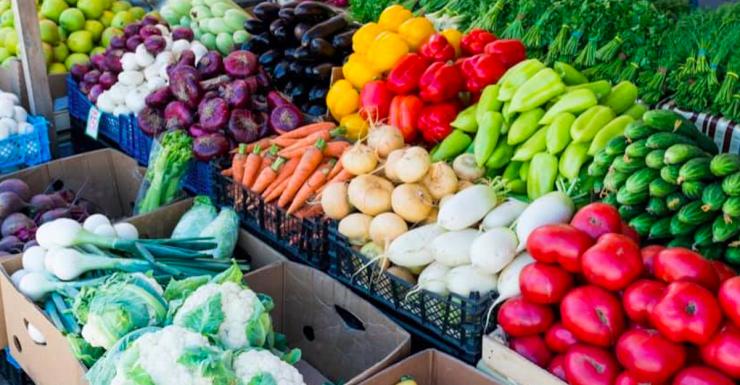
column 106, row 18
column 49, row 31
column 169, row 15
column 72, row 20
column 76, row 58
column 51, row 9
column 138, row 12
column 109, row 33
column 80, row 41
column 119, row 6
column 57, row 68
column 122, row 19
column 181, row 7
column 71, row 3
column 4, row 4
column 96, row 51
column 7, row 61
column 4, row 54
column 11, row 43
column 63, row 34
column 7, row 18
column 96, row 29
column 92, row 9
column 48, row 53
column 60, row 52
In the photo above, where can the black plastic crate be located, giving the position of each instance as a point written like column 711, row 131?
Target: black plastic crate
column 458, row 321
column 300, row 239
column 11, row 372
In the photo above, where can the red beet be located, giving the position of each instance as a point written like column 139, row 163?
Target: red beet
column 159, row 98
column 240, row 64
column 210, row 146
column 180, row 33
column 177, row 116
column 236, row 93
column 150, row 120
column 210, row 65
column 213, row 113
column 243, row 126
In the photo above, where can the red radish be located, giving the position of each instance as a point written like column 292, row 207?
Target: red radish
column 10, row 203
column 587, row 365
column 677, row 263
column 520, row 318
column 640, row 297
column 544, row 284
column 649, row 356
column 701, row 375
column 240, row 64
column 11, row 244
column 556, row 367
column 17, row 186
column 648, row 254
column 723, row 352
column 532, row 348
column 559, row 339
column 729, row 299
column 593, row 315
column 597, row 219
column 612, row 263
column 559, row 243
column 19, row 225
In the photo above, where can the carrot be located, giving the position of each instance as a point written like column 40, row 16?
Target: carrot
column 309, row 211
column 268, row 157
column 263, row 143
column 237, row 163
column 251, row 166
column 267, row 176
column 285, row 172
column 309, row 162
column 336, row 148
column 311, row 139
column 342, row 176
column 277, row 191
column 306, row 130
column 294, row 152
column 336, row 170
column 227, row 173
column 317, row 179
column 283, row 142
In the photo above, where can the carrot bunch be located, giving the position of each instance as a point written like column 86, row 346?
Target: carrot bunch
column 292, row 167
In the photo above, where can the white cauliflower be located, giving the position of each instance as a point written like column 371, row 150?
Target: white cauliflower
column 251, row 364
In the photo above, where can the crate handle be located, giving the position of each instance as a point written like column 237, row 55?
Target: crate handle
column 351, row 320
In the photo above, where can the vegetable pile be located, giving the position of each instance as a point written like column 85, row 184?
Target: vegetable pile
column 13, row 117
column 596, row 309
column 298, row 44
column 668, row 181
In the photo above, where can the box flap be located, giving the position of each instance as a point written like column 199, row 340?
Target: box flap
column 431, row 367
column 514, row 367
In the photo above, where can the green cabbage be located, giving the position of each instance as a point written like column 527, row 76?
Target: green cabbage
column 192, row 223
column 225, row 230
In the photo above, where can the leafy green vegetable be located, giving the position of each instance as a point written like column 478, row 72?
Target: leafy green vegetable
column 225, row 230
column 168, row 163
column 192, row 223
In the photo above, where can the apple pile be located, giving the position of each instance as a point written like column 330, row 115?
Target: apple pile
column 71, row 30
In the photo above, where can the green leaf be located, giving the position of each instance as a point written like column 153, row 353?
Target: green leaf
column 181, row 289
column 210, row 363
column 206, row 319
column 232, row 274
column 263, row 379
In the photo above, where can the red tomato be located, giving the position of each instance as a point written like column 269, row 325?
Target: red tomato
column 723, row 352
column 597, row 219
column 729, row 299
column 612, row 263
column 724, row 272
column 626, row 378
column 588, row 365
column 544, row 284
column 640, row 297
column 532, row 348
column 630, row 232
column 687, row 313
column 649, row 356
column 677, row 263
column 559, row 243
column 559, row 339
column 648, row 254
column 556, row 366
column 593, row 315
column 521, row 318
column 701, row 375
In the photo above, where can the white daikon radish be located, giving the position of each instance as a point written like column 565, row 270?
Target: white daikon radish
column 453, row 248
column 508, row 280
column 433, row 278
column 553, row 207
column 466, row 279
column 413, row 248
column 467, row 207
column 494, row 249
column 504, row 214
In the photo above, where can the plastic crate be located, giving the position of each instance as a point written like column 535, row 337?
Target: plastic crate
column 141, row 143
column 126, row 136
column 458, row 321
column 198, row 179
column 11, row 371
column 27, row 149
column 79, row 108
column 300, row 239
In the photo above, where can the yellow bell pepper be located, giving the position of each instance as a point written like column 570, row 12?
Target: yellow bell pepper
column 355, row 126
column 393, row 16
column 342, row 99
column 364, row 36
column 386, row 50
column 358, row 71
column 416, row 31
column 454, row 37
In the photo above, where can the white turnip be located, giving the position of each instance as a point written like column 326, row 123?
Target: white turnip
column 467, row 207
column 370, row 194
column 384, row 139
column 467, row 279
column 412, row 202
column 356, row 227
column 504, row 214
column 335, row 202
column 494, row 249
column 359, row 159
column 386, row 227
column 453, row 248
column 413, row 248
column 412, row 165
column 466, row 167
column 440, row 180
column 553, row 207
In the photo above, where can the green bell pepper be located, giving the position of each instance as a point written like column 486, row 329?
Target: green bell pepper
column 572, row 159
column 453, row 145
column 489, row 129
column 516, row 76
column 558, row 132
column 466, row 120
column 524, row 126
column 538, row 90
column 533, row 145
column 610, row 131
column 575, row 101
column 590, row 122
column 543, row 172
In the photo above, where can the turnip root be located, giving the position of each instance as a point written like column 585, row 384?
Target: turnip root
column 359, row 159
column 467, row 207
column 412, row 202
column 453, row 248
column 384, row 139
column 390, row 165
column 335, row 202
column 440, row 180
column 386, row 227
column 467, row 279
column 494, row 249
column 413, row 248
column 504, row 214
column 466, row 168
column 508, row 280
column 402, row 273
column 464, row 184
column 370, row 194
column 553, row 207
column 412, row 165
column 356, row 227
column 432, row 217
column 433, row 278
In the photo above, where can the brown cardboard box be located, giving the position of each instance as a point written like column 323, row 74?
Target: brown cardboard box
column 517, row 369
column 432, row 367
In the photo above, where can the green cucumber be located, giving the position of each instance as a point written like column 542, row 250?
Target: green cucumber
column 642, row 223
column 724, row 228
column 692, row 214
column 669, row 121
column 627, row 164
column 625, row 197
column 660, row 229
column 731, row 207
column 663, row 140
column 684, row 242
column 679, row 227
column 712, row 252
column 660, row 188
column 656, row 207
column 614, row 180
column 670, row 173
column 713, row 197
column 654, row 159
column 693, row 189
column 610, row 199
column 731, row 184
column 695, row 170
column 680, row 153
column 732, row 255
column 675, row 201
column 725, row 164
column 703, row 235
column 637, row 149
column 604, row 158
column 616, row 145
column 637, row 130
column 596, row 169
column 639, row 181
column 628, row 212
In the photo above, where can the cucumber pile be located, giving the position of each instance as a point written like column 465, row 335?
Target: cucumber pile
column 669, row 183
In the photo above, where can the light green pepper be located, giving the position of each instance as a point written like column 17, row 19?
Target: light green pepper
column 590, row 122
column 637, row 110
column 511, row 171
column 516, row 76
column 453, row 145
column 516, row 186
column 600, row 88
column 507, row 113
column 536, row 91
column 524, row 126
column 489, row 129
column 465, row 120
column 610, row 131
column 572, row 159
column 543, row 172
column 500, row 156
column 533, row 145
column 575, row 101
column 558, row 132
column 524, row 171
column 570, row 75
column 622, row 97
column 489, row 100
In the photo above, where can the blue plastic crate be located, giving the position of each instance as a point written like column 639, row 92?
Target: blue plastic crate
column 142, row 144
column 79, row 108
column 27, row 149
column 126, row 134
column 198, row 179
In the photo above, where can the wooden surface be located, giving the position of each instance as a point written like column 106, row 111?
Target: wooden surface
column 34, row 64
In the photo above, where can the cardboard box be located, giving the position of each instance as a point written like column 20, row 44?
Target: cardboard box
column 515, row 368
column 432, row 367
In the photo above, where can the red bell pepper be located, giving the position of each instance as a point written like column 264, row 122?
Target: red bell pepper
column 481, row 70
column 508, row 51
column 437, row 48
column 434, row 121
column 440, row 82
column 475, row 41
column 404, row 77
column 405, row 110
column 375, row 100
